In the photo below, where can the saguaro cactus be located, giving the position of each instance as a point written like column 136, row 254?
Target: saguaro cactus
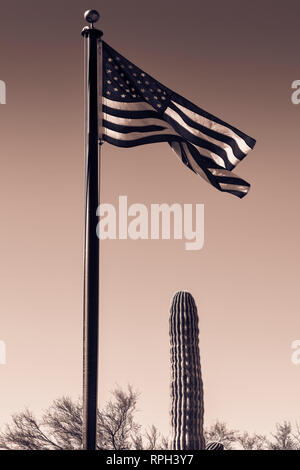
column 186, row 385
column 215, row 446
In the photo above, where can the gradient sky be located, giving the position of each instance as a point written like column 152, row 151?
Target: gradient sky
column 235, row 59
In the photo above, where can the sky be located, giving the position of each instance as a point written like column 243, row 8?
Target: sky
column 235, row 59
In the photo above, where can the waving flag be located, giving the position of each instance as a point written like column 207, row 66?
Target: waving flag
column 138, row 110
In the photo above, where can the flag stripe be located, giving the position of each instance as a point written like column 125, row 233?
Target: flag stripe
column 199, row 112
column 215, row 132
column 137, row 122
column 233, row 187
column 202, row 143
column 112, row 138
column 176, row 147
column 129, row 114
column 131, row 129
column 137, row 135
column 197, row 162
column 221, row 172
column 127, row 125
column 213, row 126
column 197, row 169
column 128, row 106
column 229, row 161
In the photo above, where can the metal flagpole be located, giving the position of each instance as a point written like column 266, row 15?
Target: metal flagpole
column 91, row 250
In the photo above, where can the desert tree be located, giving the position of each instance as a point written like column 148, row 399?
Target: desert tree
column 252, row 441
column 219, row 432
column 284, row 439
column 60, row 427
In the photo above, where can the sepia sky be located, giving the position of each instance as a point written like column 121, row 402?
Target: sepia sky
column 235, row 59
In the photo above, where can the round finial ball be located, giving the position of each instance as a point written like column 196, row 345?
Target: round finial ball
column 91, row 16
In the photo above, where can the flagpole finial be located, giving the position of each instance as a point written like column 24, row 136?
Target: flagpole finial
column 91, row 16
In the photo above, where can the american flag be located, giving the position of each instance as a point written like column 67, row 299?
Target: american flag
column 137, row 110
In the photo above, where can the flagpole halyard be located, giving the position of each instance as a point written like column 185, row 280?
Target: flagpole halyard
column 91, row 249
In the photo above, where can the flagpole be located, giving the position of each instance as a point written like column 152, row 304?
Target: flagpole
column 91, row 249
